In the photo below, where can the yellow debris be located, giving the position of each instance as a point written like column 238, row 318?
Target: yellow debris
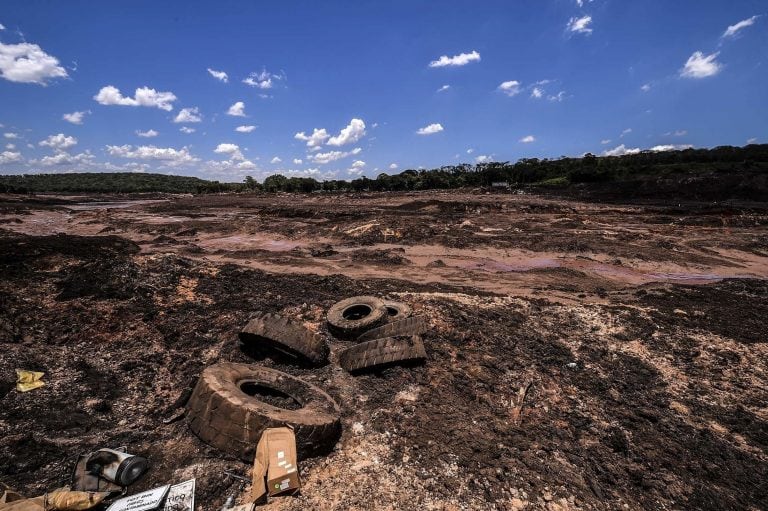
column 28, row 380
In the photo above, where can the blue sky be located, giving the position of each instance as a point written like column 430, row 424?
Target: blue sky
column 340, row 89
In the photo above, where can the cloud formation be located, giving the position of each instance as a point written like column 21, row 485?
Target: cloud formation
column 245, row 129
column 349, row 135
column 323, row 158
column 315, row 140
column 74, row 117
column 187, row 115
column 237, row 110
column 579, row 25
column 219, row 75
column 144, row 96
column 58, row 142
column 431, row 129
column 510, row 88
column 462, row 59
column 732, row 30
column 147, row 134
column 169, row 155
column 28, row 63
column 701, row 66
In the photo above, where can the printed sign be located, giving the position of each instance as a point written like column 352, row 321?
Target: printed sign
column 181, row 497
column 143, row 501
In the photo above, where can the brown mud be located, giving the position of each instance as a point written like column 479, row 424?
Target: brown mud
column 641, row 329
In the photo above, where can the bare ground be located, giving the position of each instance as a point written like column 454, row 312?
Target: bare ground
column 641, row 330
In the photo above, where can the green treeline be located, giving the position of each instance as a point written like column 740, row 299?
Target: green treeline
column 550, row 173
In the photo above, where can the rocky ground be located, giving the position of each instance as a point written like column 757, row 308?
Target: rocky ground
column 581, row 355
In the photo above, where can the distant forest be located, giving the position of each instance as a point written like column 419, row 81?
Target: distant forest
column 735, row 171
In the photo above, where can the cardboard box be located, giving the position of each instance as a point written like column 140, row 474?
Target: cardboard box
column 275, row 468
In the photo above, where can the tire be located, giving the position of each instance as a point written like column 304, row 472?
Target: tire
column 222, row 414
column 286, row 336
column 382, row 352
column 349, row 318
column 415, row 325
column 397, row 310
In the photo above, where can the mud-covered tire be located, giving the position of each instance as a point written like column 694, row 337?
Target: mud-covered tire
column 414, row 325
column 381, row 352
column 224, row 416
column 287, row 336
column 349, row 318
column 397, row 310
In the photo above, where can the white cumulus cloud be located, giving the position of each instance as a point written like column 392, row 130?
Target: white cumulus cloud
column 10, row 157
column 237, row 110
column 701, row 66
column 621, row 150
column 219, row 75
column 349, row 135
column 393, row 166
column 298, row 161
column 28, row 63
column 187, row 130
column 233, row 150
column 169, row 155
column 580, row 25
column 276, row 159
column 144, row 96
column 64, row 158
column 528, row 139
column 315, row 140
column 670, row 147
column 74, row 117
column 732, row 30
column 188, row 115
column 11, row 135
column 462, row 59
column 58, row 142
column 537, row 93
column 510, row 88
column 483, row 159
column 323, row 158
column 444, row 88
column 358, row 164
column 431, row 129
column 245, row 129
column 147, row 134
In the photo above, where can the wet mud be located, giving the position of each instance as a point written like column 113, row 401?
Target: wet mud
column 637, row 335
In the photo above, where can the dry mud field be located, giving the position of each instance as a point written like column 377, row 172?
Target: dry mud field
column 639, row 330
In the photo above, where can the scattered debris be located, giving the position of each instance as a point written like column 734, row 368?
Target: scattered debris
column 275, row 466
column 397, row 310
column 349, row 318
column 286, row 336
column 414, row 325
column 233, row 404
column 181, row 497
column 382, row 352
column 28, row 380
column 144, row 501
column 517, row 403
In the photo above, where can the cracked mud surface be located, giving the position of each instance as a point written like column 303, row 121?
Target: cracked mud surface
column 640, row 329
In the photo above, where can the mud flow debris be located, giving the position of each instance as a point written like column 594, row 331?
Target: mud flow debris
column 435, row 350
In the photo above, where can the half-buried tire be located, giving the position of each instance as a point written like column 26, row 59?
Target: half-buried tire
column 286, row 336
column 382, row 352
column 415, row 325
column 349, row 318
column 233, row 404
column 397, row 310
